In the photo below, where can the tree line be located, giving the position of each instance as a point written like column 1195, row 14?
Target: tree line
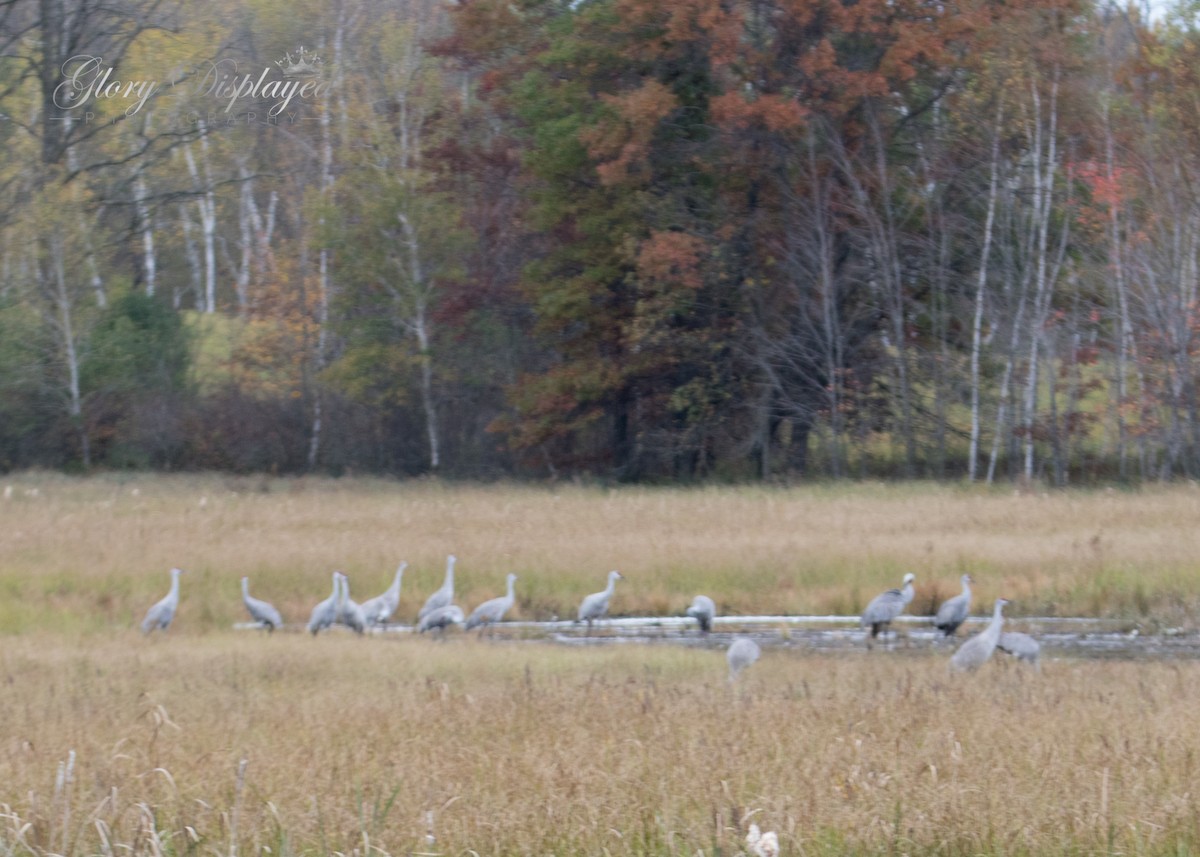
column 631, row 240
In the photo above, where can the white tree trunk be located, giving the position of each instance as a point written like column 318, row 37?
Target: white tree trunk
column 980, row 294
column 324, row 282
column 419, row 324
column 1045, row 169
column 831, row 322
column 149, row 260
column 194, row 264
column 64, row 323
column 207, row 206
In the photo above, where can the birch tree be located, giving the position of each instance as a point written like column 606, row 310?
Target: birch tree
column 410, row 225
column 981, row 292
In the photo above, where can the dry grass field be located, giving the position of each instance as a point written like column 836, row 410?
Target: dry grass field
column 371, row 746
column 357, row 746
column 92, row 555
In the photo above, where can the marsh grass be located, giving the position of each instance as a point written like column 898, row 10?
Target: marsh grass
column 93, row 554
column 211, row 742
column 236, row 744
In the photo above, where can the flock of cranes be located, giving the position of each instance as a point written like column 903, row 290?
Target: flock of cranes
column 974, row 652
column 440, row 612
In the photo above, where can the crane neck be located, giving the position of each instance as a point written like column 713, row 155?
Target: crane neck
column 993, row 629
column 245, row 588
column 510, row 586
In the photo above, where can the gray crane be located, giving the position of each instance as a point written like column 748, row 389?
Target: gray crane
column 260, row 611
column 703, row 610
column 349, row 613
column 493, row 610
column 377, row 610
column 160, row 615
column 325, row 613
column 1021, row 646
column 976, row 651
column 954, row 611
column 742, row 653
column 595, row 605
column 886, row 606
column 444, row 596
column 441, row 619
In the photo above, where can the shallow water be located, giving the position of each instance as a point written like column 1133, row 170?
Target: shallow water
column 1075, row 637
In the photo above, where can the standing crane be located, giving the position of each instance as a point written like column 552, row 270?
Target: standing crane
column 492, row 610
column 348, row 611
column 160, row 615
column 954, row 611
column 976, row 651
column 595, row 605
column 886, row 606
column 444, row 596
column 703, row 610
column 260, row 611
column 742, row 653
column 325, row 613
column 377, row 610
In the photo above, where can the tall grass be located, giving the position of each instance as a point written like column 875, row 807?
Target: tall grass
column 244, row 744
column 205, row 741
column 93, row 554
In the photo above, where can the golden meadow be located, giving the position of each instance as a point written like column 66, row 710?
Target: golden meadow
column 212, row 741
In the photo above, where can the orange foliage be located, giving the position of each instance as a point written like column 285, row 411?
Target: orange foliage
column 774, row 112
column 671, row 257
column 619, row 146
column 271, row 355
column 1105, row 193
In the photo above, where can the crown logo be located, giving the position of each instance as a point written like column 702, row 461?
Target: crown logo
column 303, row 65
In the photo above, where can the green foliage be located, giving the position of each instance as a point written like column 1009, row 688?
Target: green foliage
column 138, row 347
column 133, row 377
column 27, row 410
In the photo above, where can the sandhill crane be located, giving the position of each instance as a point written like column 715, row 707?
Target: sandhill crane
column 954, row 611
column 703, row 610
column 441, row 619
column 493, row 610
column 742, row 653
column 975, row 652
column 1021, row 646
column 595, row 605
column 160, row 615
column 325, row 613
column 887, row 606
column 443, row 596
column 260, row 611
column 377, row 610
column 762, row 844
column 348, row 611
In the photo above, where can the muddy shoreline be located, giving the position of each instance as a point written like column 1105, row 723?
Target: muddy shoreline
column 1066, row 637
